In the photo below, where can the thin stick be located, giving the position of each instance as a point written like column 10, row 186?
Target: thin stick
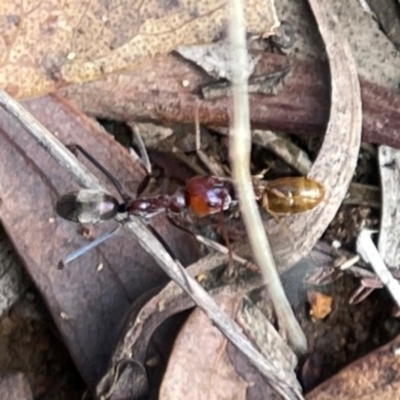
column 224, row 250
column 144, row 156
column 63, row 156
column 155, row 249
column 240, row 146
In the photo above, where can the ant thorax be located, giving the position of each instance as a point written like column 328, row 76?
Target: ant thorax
column 206, row 195
column 148, row 207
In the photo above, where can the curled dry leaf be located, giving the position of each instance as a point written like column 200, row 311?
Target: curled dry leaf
column 47, row 44
column 321, row 305
column 145, row 316
column 337, row 159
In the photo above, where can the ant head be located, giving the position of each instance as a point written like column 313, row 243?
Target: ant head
column 87, row 206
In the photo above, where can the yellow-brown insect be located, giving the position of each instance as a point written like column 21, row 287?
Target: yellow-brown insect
column 290, row 195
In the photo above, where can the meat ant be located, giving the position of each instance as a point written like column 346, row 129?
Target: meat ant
column 201, row 196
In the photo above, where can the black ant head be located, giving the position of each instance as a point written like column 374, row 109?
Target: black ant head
column 87, row 206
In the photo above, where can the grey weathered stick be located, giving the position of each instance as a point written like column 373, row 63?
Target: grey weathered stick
column 153, row 247
column 389, row 232
column 240, row 147
column 63, row 156
column 367, row 250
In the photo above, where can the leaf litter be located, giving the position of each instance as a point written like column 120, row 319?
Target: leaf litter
column 337, row 336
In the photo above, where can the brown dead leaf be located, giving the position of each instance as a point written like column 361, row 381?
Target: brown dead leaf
column 205, row 365
column 321, row 304
column 199, row 367
column 48, row 43
column 375, row 376
column 86, row 304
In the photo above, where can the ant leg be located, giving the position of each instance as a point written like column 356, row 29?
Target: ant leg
column 142, row 185
column 265, row 206
column 225, row 236
column 207, row 242
column 84, row 249
column 260, row 175
column 110, row 177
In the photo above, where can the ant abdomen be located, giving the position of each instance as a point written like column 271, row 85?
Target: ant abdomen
column 87, row 206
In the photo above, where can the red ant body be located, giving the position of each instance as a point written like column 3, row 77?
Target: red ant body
column 202, row 196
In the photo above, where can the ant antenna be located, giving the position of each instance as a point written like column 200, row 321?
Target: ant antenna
column 110, row 177
column 90, row 246
column 84, row 249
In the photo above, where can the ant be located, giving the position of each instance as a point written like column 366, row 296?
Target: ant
column 201, row 196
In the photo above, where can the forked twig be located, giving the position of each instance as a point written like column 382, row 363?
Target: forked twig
column 240, row 146
column 153, row 247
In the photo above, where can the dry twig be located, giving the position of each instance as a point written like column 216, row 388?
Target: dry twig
column 240, row 146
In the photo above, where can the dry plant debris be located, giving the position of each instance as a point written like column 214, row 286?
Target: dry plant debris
column 87, row 300
column 321, row 305
column 239, row 153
